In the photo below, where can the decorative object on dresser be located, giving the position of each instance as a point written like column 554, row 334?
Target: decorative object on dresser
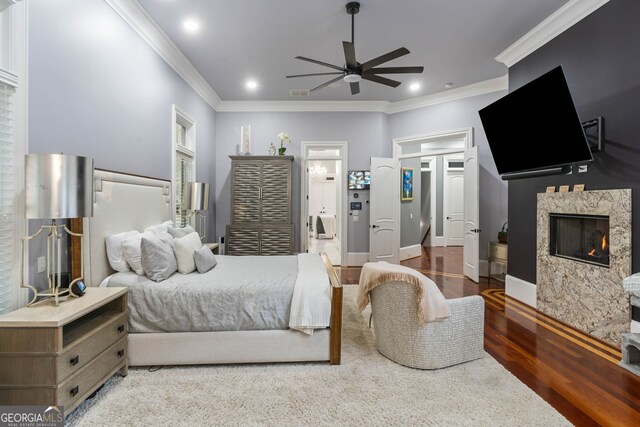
column 283, row 137
column 57, row 186
column 196, row 195
column 58, row 356
column 260, row 206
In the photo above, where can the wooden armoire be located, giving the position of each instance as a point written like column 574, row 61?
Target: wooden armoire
column 260, row 206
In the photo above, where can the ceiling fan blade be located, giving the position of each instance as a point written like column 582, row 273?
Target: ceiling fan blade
column 314, row 74
column 394, row 70
column 350, row 55
column 355, row 88
column 381, row 80
column 385, row 58
column 326, row 84
column 321, row 63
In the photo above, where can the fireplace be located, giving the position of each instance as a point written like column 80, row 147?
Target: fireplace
column 583, row 238
column 583, row 255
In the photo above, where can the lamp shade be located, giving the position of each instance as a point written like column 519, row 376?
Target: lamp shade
column 196, row 196
column 58, row 186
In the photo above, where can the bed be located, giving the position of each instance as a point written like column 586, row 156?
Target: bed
column 127, row 202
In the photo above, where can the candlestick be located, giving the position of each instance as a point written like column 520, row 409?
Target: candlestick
column 249, row 140
column 241, row 139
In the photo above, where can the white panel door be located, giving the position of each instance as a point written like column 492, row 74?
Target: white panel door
column 384, row 218
column 454, row 208
column 471, row 215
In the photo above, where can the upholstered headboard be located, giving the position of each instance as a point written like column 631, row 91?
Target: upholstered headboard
column 121, row 202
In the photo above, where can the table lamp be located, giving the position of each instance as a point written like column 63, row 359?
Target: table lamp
column 58, row 186
column 196, row 196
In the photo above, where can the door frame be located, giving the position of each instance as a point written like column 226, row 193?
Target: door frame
column 343, row 147
column 446, row 171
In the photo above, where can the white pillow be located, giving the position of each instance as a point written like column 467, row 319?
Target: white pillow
column 114, row 250
column 184, row 247
column 132, row 252
column 160, row 228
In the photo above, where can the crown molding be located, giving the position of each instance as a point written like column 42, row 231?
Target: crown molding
column 137, row 18
column 561, row 20
column 475, row 89
column 302, row 106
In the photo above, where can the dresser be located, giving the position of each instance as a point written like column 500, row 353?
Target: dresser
column 261, row 222
column 58, row 356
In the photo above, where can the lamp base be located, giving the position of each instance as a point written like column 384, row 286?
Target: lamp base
column 52, row 293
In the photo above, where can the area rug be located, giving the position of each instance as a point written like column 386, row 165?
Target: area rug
column 366, row 389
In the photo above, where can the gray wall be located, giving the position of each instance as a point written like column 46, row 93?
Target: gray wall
column 366, row 133
column 457, row 115
column 425, row 198
column 599, row 59
column 97, row 89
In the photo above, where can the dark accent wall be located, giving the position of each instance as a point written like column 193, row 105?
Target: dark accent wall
column 600, row 58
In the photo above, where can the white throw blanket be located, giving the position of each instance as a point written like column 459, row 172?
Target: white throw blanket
column 433, row 305
column 311, row 300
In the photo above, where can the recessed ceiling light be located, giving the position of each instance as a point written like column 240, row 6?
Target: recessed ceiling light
column 191, row 26
column 448, row 85
column 414, row 86
column 252, row 84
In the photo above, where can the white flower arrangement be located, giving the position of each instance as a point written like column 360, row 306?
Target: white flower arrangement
column 283, row 137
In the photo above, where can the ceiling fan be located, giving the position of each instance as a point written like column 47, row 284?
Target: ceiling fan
column 353, row 71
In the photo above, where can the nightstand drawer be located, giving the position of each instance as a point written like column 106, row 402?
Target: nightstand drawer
column 33, row 369
column 90, row 346
column 85, row 381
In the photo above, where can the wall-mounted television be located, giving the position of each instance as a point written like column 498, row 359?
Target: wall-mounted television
column 535, row 129
column 359, row 180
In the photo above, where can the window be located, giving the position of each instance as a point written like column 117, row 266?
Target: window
column 184, row 149
column 11, row 149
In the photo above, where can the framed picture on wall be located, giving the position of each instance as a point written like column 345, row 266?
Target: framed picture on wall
column 407, row 184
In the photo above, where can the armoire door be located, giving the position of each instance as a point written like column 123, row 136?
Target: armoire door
column 245, row 192
column 275, row 194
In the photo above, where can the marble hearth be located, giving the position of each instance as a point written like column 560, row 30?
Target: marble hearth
column 587, row 296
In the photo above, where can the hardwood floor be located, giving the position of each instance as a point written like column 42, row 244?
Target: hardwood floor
column 576, row 373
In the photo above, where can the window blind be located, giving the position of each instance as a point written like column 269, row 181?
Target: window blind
column 184, row 173
column 7, row 197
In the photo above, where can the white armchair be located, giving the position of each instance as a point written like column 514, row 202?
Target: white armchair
column 402, row 338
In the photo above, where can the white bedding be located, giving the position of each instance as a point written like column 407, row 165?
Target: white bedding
column 240, row 293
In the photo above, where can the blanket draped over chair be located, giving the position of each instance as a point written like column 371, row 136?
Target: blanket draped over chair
column 432, row 305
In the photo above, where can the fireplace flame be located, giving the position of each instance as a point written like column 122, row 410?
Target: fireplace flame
column 604, row 242
column 592, row 252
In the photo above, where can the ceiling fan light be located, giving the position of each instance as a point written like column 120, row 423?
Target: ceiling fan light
column 352, row 78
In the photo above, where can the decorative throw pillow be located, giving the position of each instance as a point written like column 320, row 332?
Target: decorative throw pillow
column 184, row 247
column 180, row 232
column 160, row 228
column 114, row 250
column 157, row 257
column 204, row 259
column 132, row 253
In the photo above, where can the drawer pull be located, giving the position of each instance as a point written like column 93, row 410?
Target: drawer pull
column 74, row 360
column 121, row 328
column 120, row 353
column 74, row 391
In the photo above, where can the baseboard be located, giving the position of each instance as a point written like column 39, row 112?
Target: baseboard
column 410, row 252
column 437, row 241
column 357, row 259
column 635, row 327
column 521, row 290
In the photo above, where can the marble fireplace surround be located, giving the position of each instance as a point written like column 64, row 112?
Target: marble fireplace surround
column 588, row 297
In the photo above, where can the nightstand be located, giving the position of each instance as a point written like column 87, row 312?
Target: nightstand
column 58, row 356
column 213, row 246
column 497, row 254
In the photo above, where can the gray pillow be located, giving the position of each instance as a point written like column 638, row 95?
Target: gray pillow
column 180, row 232
column 204, row 259
column 157, row 257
